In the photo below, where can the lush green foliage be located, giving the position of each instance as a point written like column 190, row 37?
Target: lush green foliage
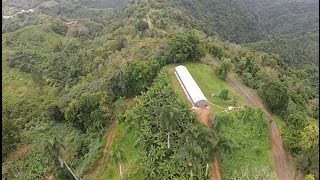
column 266, row 25
column 89, row 112
column 275, row 95
column 142, row 26
column 184, row 48
column 188, row 138
column 10, row 136
column 251, row 145
column 54, row 113
column 69, row 85
column 224, row 68
column 224, row 94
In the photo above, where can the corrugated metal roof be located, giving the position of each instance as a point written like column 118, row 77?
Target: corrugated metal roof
column 190, row 85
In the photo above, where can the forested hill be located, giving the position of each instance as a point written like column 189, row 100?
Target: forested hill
column 229, row 19
column 286, row 18
column 22, row 4
column 75, row 69
column 292, row 27
column 287, row 27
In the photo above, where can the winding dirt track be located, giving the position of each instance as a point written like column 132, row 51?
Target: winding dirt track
column 97, row 169
column 284, row 165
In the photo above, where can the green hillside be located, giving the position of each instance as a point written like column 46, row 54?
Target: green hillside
column 253, row 155
column 289, row 28
column 98, row 94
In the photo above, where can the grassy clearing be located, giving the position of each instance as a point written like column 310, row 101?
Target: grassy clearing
column 252, row 153
column 253, row 150
column 209, row 83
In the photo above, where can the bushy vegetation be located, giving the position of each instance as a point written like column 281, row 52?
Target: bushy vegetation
column 224, row 68
column 172, row 142
column 224, row 94
column 265, row 24
column 10, row 136
column 65, row 89
column 184, row 48
column 250, row 142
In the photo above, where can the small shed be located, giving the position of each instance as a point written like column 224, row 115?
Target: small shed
column 190, row 87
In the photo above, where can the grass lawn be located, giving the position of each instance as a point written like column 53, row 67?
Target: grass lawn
column 254, row 149
column 209, row 83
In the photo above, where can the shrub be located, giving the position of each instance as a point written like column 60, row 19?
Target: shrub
column 184, row 48
column 223, row 70
column 88, row 112
column 54, row 112
column 10, row 136
column 59, row 28
column 275, row 95
column 141, row 26
column 224, row 94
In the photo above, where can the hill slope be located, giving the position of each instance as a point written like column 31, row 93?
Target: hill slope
column 63, row 91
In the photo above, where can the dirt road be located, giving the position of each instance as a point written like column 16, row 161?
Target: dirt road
column 284, row 165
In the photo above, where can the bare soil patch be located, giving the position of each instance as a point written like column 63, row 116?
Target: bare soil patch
column 204, row 114
column 19, row 154
column 75, row 26
column 215, row 170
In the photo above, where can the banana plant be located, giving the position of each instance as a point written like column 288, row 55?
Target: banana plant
column 118, row 157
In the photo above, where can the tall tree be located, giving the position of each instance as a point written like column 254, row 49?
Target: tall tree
column 224, row 68
column 275, row 95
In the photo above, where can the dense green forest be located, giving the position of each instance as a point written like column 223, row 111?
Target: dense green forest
column 289, row 28
column 64, row 86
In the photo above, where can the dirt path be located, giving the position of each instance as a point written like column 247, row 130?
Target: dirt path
column 149, row 22
column 204, row 114
column 241, row 90
column 284, row 165
column 110, row 137
column 97, row 169
column 19, row 154
column 204, row 117
column 215, row 170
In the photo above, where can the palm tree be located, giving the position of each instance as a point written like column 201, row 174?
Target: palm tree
column 168, row 120
column 117, row 156
column 204, row 142
column 52, row 147
column 193, row 150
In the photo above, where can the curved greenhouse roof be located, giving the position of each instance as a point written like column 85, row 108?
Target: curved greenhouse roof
column 191, row 87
